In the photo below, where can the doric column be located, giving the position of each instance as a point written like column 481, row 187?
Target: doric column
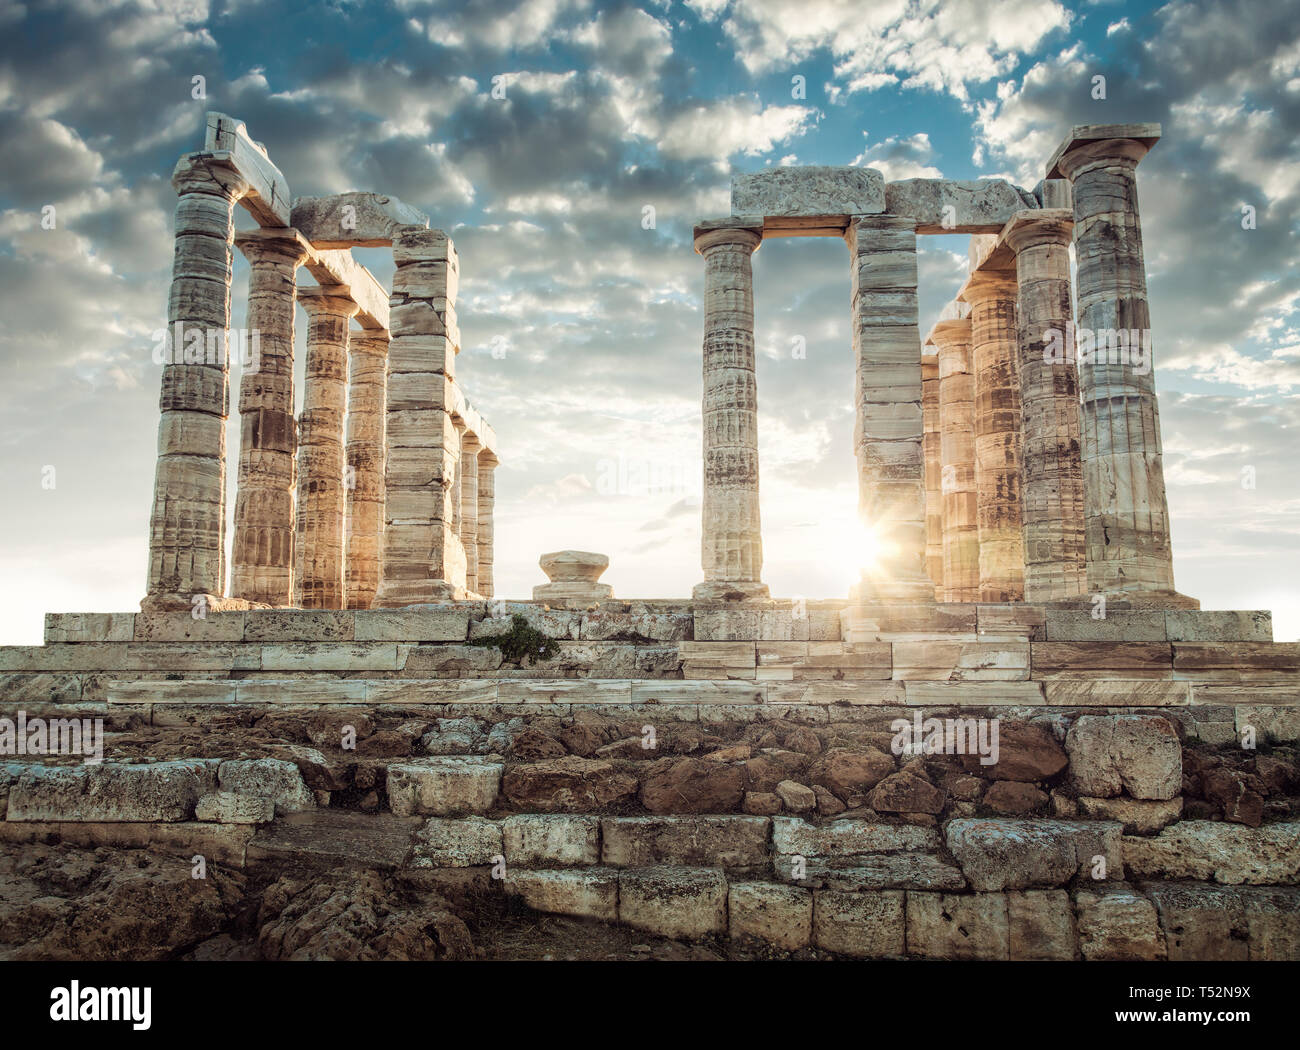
column 367, row 408
column 422, row 560
column 995, row 367
column 188, row 522
column 961, row 546
column 888, row 430
column 930, row 445
column 487, row 466
column 318, row 572
column 1127, row 513
column 1052, row 481
column 262, row 558
column 732, row 544
column 469, row 451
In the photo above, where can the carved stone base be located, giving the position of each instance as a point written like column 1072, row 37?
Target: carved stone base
column 730, row 591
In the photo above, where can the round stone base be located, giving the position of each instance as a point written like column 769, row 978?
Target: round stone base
column 730, row 591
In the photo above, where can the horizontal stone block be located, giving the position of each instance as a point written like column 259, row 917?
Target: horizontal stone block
column 316, row 690
column 219, row 843
column 464, row 842
column 696, row 692
column 777, row 915
column 1231, row 694
column 644, row 625
column 860, row 925
column 961, row 661
column 827, row 693
column 997, row 855
column 298, row 625
column 952, row 926
column 229, row 807
column 551, row 840
column 1203, row 625
column 1132, row 692
column 673, row 902
column 329, row 656
column 948, row 206
column 433, row 691
column 271, row 778
column 973, row 694
column 1270, row 724
column 1063, row 659
column 443, row 787
column 160, row 791
column 89, row 627
column 560, row 691
column 846, row 838
column 1078, row 625
column 353, row 219
column 717, row 842
column 589, row 893
column 31, row 688
column 1117, row 923
column 186, row 627
column 131, row 656
column 1227, row 924
column 1230, row 854
column 809, row 191
column 1244, row 657
column 912, row 621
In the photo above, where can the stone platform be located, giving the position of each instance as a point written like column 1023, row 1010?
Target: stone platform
column 710, row 773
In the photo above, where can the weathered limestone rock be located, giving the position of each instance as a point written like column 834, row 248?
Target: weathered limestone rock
column 159, row 791
column 456, row 843
column 322, row 497
column 589, row 893
column 862, row 925
column 1223, row 924
column 1139, row 754
column 843, row 839
column 262, row 558
column 535, row 840
column 228, row 807
column 1118, row 923
column 573, row 576
column 1015, row 854
column 469, row 453
column 188, row 523
column 367, row 397
column 1052, row 482
column 443, row 787
column 487, row 463
column 797, row 797
column 693, row 785
column 732, row 547
column 995, row 367
column 1026, row 752
column 1230, row 854
column 353, row 220
column 948, row 206
column 673, row 902
column 1139, row 817
column 808, row 192
column 1127, row 513
column 272, row 778
column 764, row 911
column 902, row 792
column 961, row 549
column 931, row 445
column 722, row 842
column 888, row 426
column 951, row 926
column 1041, row 924
column 567, row 785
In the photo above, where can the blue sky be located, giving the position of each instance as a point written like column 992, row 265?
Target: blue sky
column 611, row 108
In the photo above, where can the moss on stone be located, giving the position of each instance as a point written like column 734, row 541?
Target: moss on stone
column 520, row 642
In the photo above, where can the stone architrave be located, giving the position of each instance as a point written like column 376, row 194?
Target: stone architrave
column 487, row 465
column 187, row 525
column 732, row 544
column 888, row 430
column 322, row 496
column 961, row 550
column 1052, row 473
column 367, row 411
column 423, row 559
column 469, row 453
column 262, row 557
column 1127, row 512
column 995, row 367
column 931, row 446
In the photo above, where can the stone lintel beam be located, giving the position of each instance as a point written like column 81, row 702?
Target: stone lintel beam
column 354, row 219
column 267, row 196
column 1081, row 136
column 949, row 206
column 340, row 268
column 808, row 200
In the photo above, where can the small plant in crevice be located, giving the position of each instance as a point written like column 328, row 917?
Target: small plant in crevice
column 521, row 642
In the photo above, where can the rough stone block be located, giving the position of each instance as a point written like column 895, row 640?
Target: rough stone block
column 456, row 843
column 227, row 807
column 948, row 206
column 808, row 191
column 846, row 838
column 673, row 902
column 590, row 893
column 272, row 778
column 953, row 926
column 1041, row 924
column 861, row 925
column 779, row 915
column 158, row 791
column 543, row 840
column 443, row 787
column 1117, row 923
column 718, row 842
column 1138, row 754
column 1015, row 854
column 1230, row 854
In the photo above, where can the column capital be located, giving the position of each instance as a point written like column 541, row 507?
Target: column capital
column 1088, row 144
column 1030, row 228
column 333, row 299
column 469, row 442
column 487, row 460
column 741, row 231
column 205, row 173
column 282, row 244
column 983, row 285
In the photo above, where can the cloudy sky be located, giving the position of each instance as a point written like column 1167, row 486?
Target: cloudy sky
column 611, row 109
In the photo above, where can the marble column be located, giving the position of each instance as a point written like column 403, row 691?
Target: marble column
column 888, row 430
column 931, row 446
column 261, row 567
column 732, row 546
column 995, row 366
column 1052, row 481
column 367, row 408
column 487, row 466
column 322, row 498
column 961, row 546
column 469, row 453
column 1127, row 513
column 187, row 525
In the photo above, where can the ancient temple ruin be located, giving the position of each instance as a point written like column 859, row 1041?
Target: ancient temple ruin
column 1013, row 739
column 396, row 508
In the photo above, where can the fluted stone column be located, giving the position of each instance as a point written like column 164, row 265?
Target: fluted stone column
column 487, row 466
column 322, row 501
column 995, row 367
column 1052, row 482
column 961, row 547
column 469, row 452
column 367, row 408
column 188, row 522
column 423, row 560
column 1127, row 513
column 888, row 431
column 931, row 446
column 262, row 557
column 732, row 545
